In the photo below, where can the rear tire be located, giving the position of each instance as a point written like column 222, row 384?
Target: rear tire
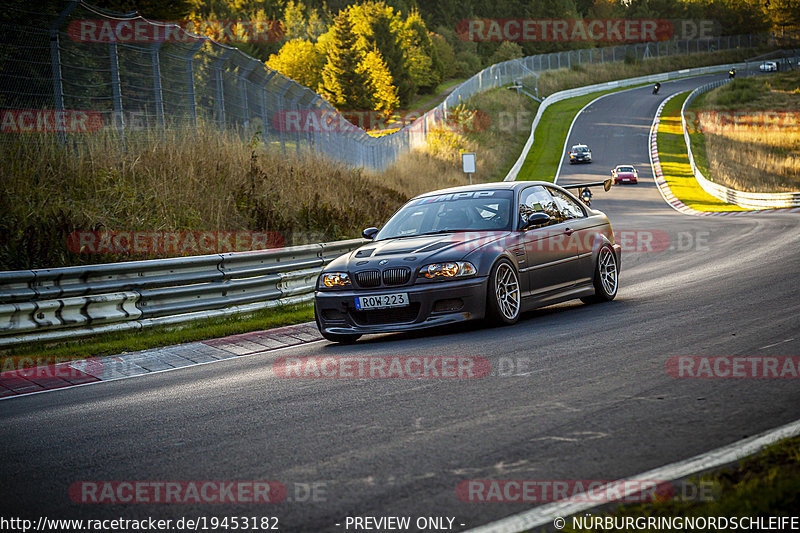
column 606, row 277
column 334, row 337
column 503, row 297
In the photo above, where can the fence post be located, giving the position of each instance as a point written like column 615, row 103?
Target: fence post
column 116, row 93
column 242, row 75
column 157, row 82
column 295, row 106
column 190, row 80
column 318, row 135
column 265, row 124
column 55, row 59
column 219, row 101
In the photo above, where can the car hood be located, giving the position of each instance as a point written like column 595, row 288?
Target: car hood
column 416, row 251
column 625, row 174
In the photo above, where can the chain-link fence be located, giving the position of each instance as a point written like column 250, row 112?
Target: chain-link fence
column 71, row 74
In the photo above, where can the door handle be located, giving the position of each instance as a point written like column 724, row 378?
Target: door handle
column 569, row 231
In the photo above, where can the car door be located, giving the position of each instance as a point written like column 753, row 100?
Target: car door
column 544, row 247
column 577, row 234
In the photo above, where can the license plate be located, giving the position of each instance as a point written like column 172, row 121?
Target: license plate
column 382, row 301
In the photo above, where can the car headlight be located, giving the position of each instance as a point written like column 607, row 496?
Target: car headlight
column 453, row 269
column 335, row 280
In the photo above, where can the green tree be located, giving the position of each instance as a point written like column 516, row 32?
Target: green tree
column 344, row 84
column 506, row 51
column 379, row 28
column 421, row 59
column 445, row 56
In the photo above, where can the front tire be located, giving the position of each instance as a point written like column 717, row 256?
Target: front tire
column 503, row 297
column 334, row 337
column 606, row 277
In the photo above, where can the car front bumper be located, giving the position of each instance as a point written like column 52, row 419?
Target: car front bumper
column 457, row 301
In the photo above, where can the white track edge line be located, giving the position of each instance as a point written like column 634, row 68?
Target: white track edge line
column 545, row 514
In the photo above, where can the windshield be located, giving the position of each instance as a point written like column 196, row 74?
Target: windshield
column 462, row 211
column 580, row 149
column 624, row 169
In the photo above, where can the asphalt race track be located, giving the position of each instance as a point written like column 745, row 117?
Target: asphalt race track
column 590, row 399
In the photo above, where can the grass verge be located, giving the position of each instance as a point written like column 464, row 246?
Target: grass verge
column 38, row 354
column 746, row 133
column 765, row 484
column 675, row 162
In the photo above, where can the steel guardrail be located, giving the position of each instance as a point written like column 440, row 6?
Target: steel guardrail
column 51, row 304
column 749, row 200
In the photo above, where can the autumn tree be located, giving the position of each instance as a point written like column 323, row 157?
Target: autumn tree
column 380, row 28
column 299, row 60
column 344, row 84
column 383, row 93
column 422, row 61
column 300, row 22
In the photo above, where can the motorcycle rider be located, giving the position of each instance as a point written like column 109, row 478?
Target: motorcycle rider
column 656, row 87
column 586, row 196
column 732, row 73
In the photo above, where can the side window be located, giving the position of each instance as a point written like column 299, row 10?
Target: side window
column 568, row 207
column 536, row 199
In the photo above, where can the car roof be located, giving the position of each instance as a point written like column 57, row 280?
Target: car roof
column 501, row 185
column 625, row 165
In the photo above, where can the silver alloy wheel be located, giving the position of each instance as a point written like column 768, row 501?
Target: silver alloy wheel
column 506, row 291
column 607, row 265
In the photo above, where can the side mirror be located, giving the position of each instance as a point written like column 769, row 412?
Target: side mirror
column 607, row 184
column 536, row 219
column 369, row 233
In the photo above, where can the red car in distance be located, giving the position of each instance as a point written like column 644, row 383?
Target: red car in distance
column 625, row 174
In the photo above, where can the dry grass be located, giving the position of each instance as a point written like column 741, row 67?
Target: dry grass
column 750, row 133
column 214, row 181
column 204, row 181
